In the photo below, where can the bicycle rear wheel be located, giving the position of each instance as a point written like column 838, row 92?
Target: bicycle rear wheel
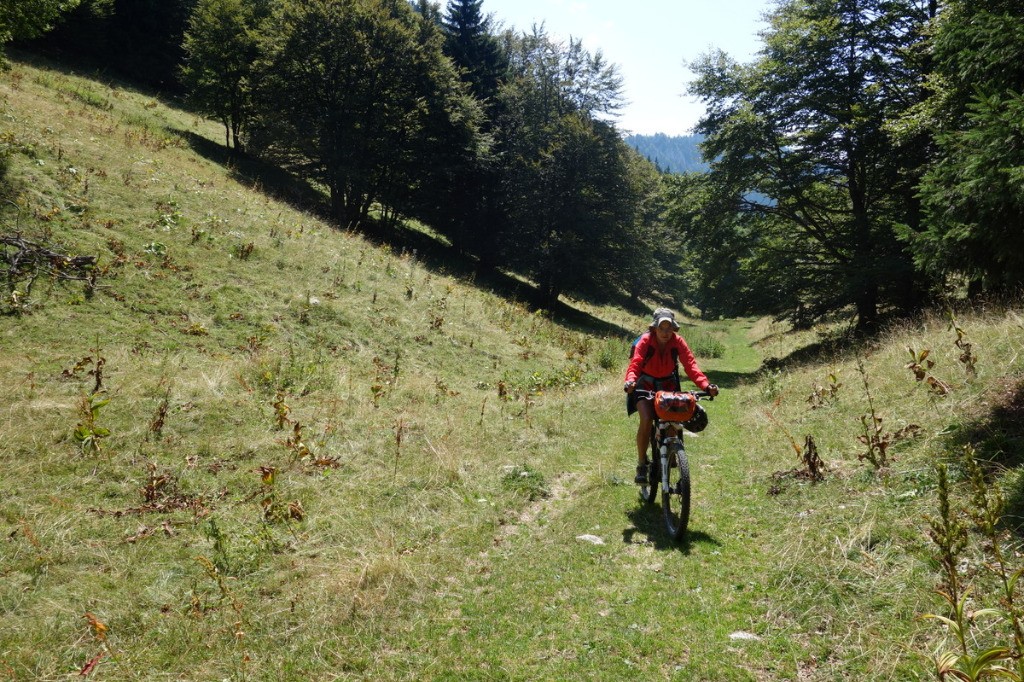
column 675, row 502
column 649, row 490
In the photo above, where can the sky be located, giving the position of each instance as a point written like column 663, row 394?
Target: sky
column 650, row 41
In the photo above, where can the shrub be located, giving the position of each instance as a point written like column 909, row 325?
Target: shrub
column 705, row 346
column 611, row 354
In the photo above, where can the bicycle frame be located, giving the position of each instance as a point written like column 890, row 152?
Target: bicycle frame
column 664, row 440
column 667, row 440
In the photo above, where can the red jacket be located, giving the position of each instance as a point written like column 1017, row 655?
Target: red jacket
column 661, row 363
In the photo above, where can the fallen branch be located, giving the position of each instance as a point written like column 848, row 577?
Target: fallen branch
column 23, row 260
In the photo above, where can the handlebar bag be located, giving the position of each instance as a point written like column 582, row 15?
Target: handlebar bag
column 674, row 406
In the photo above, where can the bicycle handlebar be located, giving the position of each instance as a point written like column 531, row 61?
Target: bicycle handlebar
column 644, row 393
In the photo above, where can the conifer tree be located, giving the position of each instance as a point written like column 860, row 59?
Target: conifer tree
column 974, row 192
column 472, row 46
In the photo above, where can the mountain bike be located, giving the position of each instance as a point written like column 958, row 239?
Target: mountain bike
column 668, row 466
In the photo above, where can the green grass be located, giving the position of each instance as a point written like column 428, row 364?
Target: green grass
column 455, row 446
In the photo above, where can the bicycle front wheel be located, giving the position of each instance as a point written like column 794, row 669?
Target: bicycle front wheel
column 675, row 502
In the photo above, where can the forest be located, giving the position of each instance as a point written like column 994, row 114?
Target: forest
column 867, row 163
column 670, row 153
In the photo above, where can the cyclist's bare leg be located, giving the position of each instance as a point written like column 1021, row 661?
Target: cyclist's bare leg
column 643, row 434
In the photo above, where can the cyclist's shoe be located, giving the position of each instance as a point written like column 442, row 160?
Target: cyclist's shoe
column 641, row 474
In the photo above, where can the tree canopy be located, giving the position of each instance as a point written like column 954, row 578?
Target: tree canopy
column 974, row 190
column 800, row 150
column 474, row 48
column 868, row 157
column 570, row 190
column 25, row 19
column 221, row 47
column 347, row 91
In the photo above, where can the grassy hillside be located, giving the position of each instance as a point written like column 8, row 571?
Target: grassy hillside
column 315, row 457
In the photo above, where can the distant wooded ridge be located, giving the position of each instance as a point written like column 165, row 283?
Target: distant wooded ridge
column 670, row 153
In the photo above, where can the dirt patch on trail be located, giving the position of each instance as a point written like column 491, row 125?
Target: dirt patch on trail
column 560, row 490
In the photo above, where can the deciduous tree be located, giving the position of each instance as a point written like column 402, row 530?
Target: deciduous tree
column 221, row 47
column 347, row 92
column 799, row 144
column 25, row 19
column 572, row 195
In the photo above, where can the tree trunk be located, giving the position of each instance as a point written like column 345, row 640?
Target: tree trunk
column 867, row 307
column 236, row 127
column 865, row 280
column 548, row 291
column 338, row 208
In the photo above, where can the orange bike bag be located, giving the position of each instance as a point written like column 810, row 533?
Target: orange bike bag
column 674, row 407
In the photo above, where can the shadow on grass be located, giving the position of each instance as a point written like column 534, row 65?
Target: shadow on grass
column 998, row 439
column 260, row 175
column 842, row 345
column 648, row 519
column 432, row 253
column 728, row 379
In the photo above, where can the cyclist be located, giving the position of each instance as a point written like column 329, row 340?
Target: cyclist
column 653, row 368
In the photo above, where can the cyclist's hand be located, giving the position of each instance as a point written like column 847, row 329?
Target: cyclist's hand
column 629, row 386
column 712, row 390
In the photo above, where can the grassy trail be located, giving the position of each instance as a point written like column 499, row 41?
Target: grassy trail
column 539, row 603
column 807, row 585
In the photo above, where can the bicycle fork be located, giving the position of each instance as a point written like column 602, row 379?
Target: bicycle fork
column 666, row 464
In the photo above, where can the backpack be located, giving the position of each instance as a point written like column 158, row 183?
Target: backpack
column 650, row 352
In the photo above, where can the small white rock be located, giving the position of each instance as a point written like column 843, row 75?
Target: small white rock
column 592, row 539
column 745, row 635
